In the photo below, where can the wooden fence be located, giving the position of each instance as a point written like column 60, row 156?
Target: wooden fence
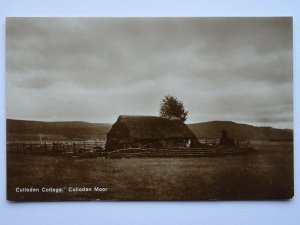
column 36, row 146
column 96, row 149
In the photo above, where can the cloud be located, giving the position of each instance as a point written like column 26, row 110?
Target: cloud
column 93, row 69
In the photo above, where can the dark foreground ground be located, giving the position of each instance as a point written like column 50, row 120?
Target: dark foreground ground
column 266, row 173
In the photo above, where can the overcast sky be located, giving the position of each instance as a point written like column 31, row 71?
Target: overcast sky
column 95, row 69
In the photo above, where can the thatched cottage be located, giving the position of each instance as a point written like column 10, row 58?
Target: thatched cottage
column 149, row 132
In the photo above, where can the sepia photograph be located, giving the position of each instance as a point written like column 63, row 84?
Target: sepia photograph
column 149, row 108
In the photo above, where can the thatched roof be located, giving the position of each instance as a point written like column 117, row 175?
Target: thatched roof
column 149, row 127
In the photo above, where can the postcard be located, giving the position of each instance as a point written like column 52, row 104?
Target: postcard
column 149, row 108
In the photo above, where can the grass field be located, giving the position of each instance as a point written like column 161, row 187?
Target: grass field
column 264, row 174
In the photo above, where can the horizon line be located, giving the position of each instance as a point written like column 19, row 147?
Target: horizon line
column 62, row 121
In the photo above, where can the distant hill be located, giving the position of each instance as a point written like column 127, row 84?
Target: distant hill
column 239, row 131
column 76, row 130
column 34, row 130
